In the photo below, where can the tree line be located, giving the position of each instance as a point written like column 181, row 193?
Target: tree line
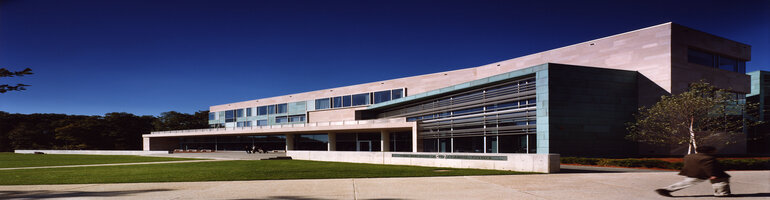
column 113, row 131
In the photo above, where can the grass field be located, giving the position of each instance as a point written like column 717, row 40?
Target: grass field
column 11, row 160
column 225, row 171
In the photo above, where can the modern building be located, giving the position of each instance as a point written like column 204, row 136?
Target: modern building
column 759, row 136
column 572, row 101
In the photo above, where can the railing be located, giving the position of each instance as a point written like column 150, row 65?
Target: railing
column 313, row 124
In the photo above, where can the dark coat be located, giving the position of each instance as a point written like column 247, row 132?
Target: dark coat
column 702, row 166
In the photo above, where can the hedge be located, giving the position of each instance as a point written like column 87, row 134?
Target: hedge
column 727, row 164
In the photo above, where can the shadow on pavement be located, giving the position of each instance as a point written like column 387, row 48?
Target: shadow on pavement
column 562, row 170
column 306, row 198
column 45, row 194
column 593, row 169
column 733, row 196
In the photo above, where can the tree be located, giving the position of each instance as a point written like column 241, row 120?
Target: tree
column 702, row 113
column 173, row 120
column 7, row 73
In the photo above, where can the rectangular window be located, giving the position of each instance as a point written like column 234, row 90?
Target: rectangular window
column 262, row 110
column 262, row 122
column 322, row 103
column 360, row 99
column 212, row 115
column 281, row 119
column 297, row 118
column 381, row 96
column 398, row 93
column 230, row 116
column 280, row 108
column 248, row 112
column 700, row 57
column 336, row 102
column 271, row 109
column 239, row 113
column 239, row 124
column 346, row 101
column 247, row 124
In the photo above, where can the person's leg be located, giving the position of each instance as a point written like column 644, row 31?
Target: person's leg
column 687, row 182
column 721, row 186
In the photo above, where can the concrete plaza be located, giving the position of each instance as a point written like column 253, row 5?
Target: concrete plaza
column 595, row 185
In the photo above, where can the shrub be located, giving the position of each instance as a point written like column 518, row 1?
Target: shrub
column 635, row 163
column 744, row 164
column 726, row 164
column 582, row 161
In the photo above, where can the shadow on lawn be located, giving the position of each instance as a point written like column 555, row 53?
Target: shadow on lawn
column 45, row 194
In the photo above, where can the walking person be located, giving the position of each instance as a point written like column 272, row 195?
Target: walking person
column 248, row 150
column 700, row 167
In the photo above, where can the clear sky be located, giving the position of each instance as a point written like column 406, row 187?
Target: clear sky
column 148, row 57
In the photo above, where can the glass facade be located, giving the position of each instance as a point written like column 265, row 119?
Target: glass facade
column 280, row 108
column 491, row 119
column 324, row 103
column 317, row 142
column 233, row 143
column 717, row 61
column 358, row 99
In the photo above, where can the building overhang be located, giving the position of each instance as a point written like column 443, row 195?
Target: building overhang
column 395, row 124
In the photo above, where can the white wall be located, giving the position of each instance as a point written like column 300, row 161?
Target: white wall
column 545, row 163
column 92, row 152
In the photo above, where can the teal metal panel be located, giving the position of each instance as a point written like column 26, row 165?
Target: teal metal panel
column 310, row 105
column 543, row 122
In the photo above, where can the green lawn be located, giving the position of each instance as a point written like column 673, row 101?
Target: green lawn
column 225, row 171
column 11, row 160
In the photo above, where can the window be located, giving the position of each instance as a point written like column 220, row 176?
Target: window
column 336, row 102
column 398, row 93
column 248, row 112
column 262, row 110
column 382, row 96
column 230, row 116
column 239, row 112
column 280, row 108
column 212, row 115
column 322, row 103
column 700, row 57
column 271, row 109
column 346, row 102
column 262, row 122
column 244, row 124
column 360, row 99
column 297, row 118
column 281, row 119
column 716, row 61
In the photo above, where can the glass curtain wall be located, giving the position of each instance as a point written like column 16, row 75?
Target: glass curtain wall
column 498, row 118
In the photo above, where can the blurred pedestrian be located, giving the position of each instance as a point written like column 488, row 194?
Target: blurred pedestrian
column 700, row 167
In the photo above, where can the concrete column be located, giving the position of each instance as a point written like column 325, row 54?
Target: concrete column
column 145, row 143
column 332, row 141
column 289, row 142
column 416, row 145
column 384, row 141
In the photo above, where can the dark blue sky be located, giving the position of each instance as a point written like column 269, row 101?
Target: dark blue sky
column 148, row 57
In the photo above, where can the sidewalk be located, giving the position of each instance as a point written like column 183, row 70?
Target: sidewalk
column 630, row 185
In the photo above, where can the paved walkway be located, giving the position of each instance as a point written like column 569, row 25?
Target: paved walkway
column 632, row 185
